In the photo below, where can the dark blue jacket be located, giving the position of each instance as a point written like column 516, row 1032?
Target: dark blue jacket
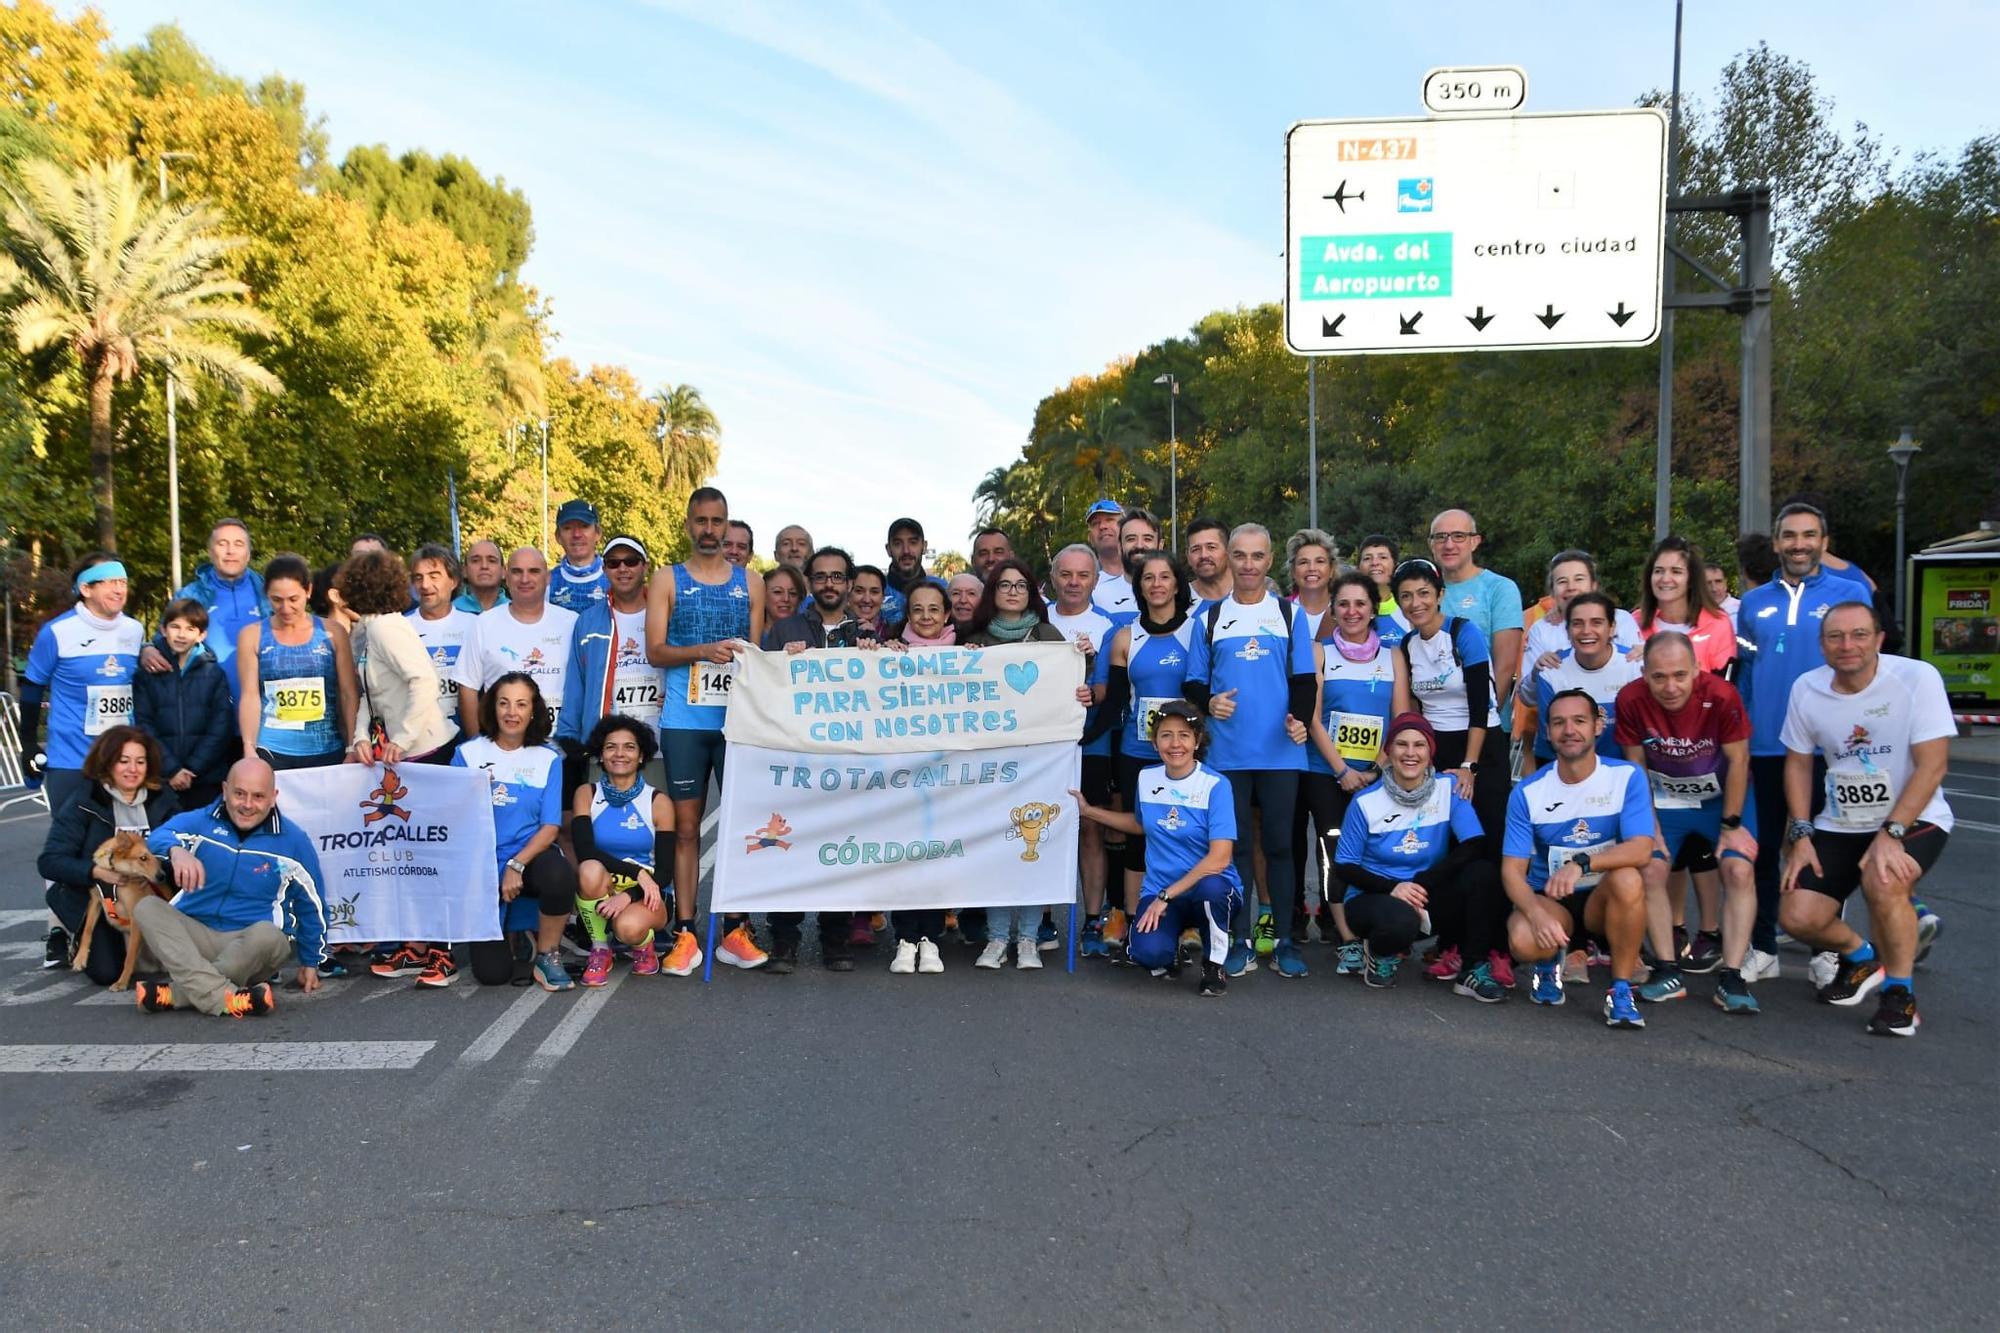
column 79, row 828
column 232, row 604
column 269, row 874
column 187, row 711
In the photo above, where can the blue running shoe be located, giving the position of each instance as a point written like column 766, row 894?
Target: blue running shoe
column 1548, row 983
column 1092, row 944
column 1045, row 934
column 1665, row 984
column 1379, row 973
column 1350, row 964
column 1928, row 924
column 1477, row 983
column 1240, row 960
column 550, row 974
column 1732, row 995
column 1285, row 958
column 1621, row 1010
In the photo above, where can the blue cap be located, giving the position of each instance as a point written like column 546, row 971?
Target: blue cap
column 577, row 511
column 1106, row 505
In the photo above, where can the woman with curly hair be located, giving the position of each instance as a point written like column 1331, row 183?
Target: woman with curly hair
column 398, row 719
column 623, row 832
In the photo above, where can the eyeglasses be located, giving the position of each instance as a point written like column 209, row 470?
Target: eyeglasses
column 622, row 561
column 1451, row 538
column 1011, row 585
column 835, row 577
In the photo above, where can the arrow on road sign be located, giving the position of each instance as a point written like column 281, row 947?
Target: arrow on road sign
column 1550, row 315
column 1340, row 196
column 1409, row 325
column 1620, row 315
column 1330, row 328
column 1479, row 319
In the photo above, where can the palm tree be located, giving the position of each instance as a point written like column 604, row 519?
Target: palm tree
column 690, row 438
column 88, row 261
column 1101, row 442
column 507, row 351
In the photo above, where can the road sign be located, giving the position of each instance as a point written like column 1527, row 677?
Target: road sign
column 1483, row 232
column 1457, row 89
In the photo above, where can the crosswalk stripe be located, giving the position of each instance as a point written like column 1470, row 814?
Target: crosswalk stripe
column 213, row 1057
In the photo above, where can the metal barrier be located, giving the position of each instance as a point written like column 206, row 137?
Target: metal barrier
column 14, row 788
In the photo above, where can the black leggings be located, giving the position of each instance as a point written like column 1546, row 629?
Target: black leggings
column 1471, row 908
column 551, row 882
column 1491, row 785
column 1134, row 858
column 1273, row 792
column 923, row 924
column 1324, row 802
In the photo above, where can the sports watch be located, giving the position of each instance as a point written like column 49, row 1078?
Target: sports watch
column 1895, row 829
column 1798, row 828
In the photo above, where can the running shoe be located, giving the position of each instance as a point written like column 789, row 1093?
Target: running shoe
column 1547, row 985
column 1620, row 1010
column 1028, row 953
column 55, row 949
column 861, row 935
column 1380, row 973
column 550, row 974
column 878, row 920
column 597, row 966
column 1680, row 942
column 784, row 958
column 1092, row 944
column 1446, row 966
column 406, row 961
column 251, row 1002
column 1350, row 962
column 1595, row 956
column 1851, row 986
column 1241, row 959
column 1213, row 983
column 1301, row 928
column 1822, row 968
column 1287, row 962
column 1928, row 925
column 993, row 956
column 440, row 970
column 1666, row 984
column 951, row 933
column 833, row 956
column 155, row 997
column 1501, row 964
column 1576, row 967
column 1265, row 936
column 684, row 957
column 1704, row 952
column 1895, row 1013
column 645, row 959
column 1479, row 983
column 1116, row 927
column 1190, row 944
column 1046, row 935
column 904, row 964
column 1761, row 966
column 739, row 948
column 929, row 961
column 1732, row 995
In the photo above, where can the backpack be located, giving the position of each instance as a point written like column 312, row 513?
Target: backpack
column 1214, row 613
column 1452, row 625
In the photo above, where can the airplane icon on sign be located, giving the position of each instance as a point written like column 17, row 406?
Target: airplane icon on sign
column 1340, row 196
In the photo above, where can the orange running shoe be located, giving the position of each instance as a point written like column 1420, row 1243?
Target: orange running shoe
column 739, row 948
column 1116, row 927
column 684, row 957
column 155, row 997
column 257, row 1000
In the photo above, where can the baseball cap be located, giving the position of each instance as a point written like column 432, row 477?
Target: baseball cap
column 631, row 544
column 1106, row 505
column 577, row 511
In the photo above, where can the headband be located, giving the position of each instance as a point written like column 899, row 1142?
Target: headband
column 102, row 571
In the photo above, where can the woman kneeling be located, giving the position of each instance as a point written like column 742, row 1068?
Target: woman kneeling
column 622, row 829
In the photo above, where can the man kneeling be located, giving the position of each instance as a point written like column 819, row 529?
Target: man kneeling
column 239, row 868
column 1578, row 834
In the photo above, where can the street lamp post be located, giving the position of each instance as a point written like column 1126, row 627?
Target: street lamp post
column 1173, row 461
column 173, row 442
column 545, row 487
column 1900, row 453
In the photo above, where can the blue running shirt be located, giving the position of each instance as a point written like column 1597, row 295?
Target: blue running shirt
column 1255, row 655
column 624, row 832
column 527, row 790
column 1549, row 820
column 1396, row 842
column 86, row 666
column 1156, row 666
column 1602, row 685
column 1355, row 702
column 1180, row 819
column 698, row 693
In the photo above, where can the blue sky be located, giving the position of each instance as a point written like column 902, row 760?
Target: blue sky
column 874, row 236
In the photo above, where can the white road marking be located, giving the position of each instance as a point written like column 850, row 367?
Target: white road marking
column 1955, row 794
column 16, row 916
column 557, row 1044
column 214, row 1057
column 36, row 986
column 26, row 949
column 1975, row 824
column 502, row 1029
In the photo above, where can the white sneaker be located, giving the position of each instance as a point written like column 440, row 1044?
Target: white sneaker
column 994, row 955
column 1030, row 955
column 905, row 961
column 1760, row 966
column 1823, row 968
column 927, row 957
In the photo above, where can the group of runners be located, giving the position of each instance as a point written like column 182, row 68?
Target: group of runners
column 1283, row 748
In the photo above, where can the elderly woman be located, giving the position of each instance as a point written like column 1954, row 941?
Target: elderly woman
column 127, row 792
column 398, row 718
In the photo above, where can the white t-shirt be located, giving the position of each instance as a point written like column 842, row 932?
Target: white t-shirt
column 1089, row 625
column 1867, row 738
column 637, row 686
column 498, row 644
column 1439, row 683
column 444, row 639
column 1547, row 636
column 1113, row 596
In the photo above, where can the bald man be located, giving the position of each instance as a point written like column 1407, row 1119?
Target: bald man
column 525, row 633
column 1471, row 592
column 485, row 568
column 238, row 869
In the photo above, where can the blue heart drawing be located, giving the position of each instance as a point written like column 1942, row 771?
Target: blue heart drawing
column 1022, row 675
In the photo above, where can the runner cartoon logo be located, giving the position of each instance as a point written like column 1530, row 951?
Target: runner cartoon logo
column 771, row 835
column 381, row 803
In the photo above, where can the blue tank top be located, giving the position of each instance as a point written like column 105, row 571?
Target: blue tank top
column 301, row 703
column 624, row 832
column 698, row 694
column 1355, row 703
column 1156, row 665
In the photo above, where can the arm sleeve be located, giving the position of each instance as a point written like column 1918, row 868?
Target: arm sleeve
column 1111, row 713
column 302, row 904
column 583, row 836
column 31, row 713
column 1478, row 696
column 1357, row 876
column 1299, row 695
column 1454, row 862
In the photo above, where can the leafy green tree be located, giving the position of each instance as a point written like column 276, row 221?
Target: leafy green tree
column 90, row 264
column 690, row 437
column 448, row 190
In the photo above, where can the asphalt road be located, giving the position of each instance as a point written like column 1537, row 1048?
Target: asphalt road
column 1001, row 1149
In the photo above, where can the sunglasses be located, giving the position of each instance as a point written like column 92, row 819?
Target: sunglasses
column 622, row 561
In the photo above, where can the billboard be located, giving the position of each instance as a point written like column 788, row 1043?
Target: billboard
column 1957, row 627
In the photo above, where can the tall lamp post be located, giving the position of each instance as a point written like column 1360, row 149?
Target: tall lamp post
column 1173, row 461
column 173, row 442
column 1900, row 453
column 545, row 487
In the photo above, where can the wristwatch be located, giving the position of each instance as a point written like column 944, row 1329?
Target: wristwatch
column 1798, row 828
column 1732, row 821
column 1582, row 863
column 1895, row 829
column 1470, row 765
column 516, row 866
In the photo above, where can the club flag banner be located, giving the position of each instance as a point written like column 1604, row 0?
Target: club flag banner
column 405, row 851
column 941, row 779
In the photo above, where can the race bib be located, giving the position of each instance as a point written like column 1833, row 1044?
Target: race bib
column 709, row 682
column 1670, row 793
column 1857, row 800
column 295, row 703
column 1148, row 708
column 106, row 706
column 637, row 694
column 1562, row 856
column 1358, row 736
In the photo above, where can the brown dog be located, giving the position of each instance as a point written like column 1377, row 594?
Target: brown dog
column 138, row 871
